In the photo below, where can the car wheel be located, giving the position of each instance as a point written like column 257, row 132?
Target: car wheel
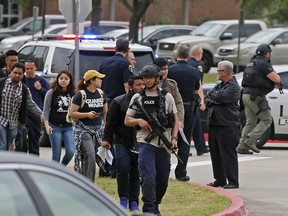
column 206, row 62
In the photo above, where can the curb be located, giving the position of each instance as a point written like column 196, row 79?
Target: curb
column 237, row 207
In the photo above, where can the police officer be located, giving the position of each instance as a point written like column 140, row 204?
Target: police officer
column 118, row 70
column 188, row 81
column 259, row 78
column 196, row 54
column 154, row 160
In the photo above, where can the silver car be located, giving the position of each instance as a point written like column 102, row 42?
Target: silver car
column 277, row 38
column 34, row 187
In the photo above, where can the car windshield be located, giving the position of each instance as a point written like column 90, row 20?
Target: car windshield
column 208, row 29
column 265, row 36
column 92, row 59
column 16, row 25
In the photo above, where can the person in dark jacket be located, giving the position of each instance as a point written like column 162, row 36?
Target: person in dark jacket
column 224, row 125
column 123, row 139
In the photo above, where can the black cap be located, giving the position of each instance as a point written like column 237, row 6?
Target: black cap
column 263, row 48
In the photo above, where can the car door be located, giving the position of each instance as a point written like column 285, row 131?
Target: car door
column 279, row 106
column 152, row 39
column 279, row 51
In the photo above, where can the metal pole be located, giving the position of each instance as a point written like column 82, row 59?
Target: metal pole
column 43, row 15
column 76, row 31
column 241, row 23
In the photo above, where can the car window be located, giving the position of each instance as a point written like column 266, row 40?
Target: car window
column 283, row 38
column 93, row 59
column 183, row 31
column 14, row 198
column 37, row 26
column 67, row 198
column 233, row 29
column 284, row 79
column 57, row 21
column 39, row 54
column 60, row 59
column 163, row 34
column 25, row 53
column 250, row 29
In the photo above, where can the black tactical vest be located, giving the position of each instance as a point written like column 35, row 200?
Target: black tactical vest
column 256, row 80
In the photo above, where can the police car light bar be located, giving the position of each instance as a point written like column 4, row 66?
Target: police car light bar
column 48, row 37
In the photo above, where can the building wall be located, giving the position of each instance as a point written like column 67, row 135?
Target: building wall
column 169, row 10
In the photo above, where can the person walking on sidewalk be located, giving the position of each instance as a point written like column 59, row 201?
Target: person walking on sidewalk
column 259, row 78
column 56, row 105
column 87, row 121
column 224, row 125
column 123, row 140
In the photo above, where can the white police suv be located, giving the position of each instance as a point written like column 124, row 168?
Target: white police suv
column 54, row 53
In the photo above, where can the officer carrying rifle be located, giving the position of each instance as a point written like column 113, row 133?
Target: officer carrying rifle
column 259, row 78
column 153, row 160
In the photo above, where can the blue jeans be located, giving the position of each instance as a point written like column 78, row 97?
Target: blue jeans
column 6, row 137
column 127, row 173
column 154, row 167
column 59, row 134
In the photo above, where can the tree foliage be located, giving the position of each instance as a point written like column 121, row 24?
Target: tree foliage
column 272, row 10
column 138, row 9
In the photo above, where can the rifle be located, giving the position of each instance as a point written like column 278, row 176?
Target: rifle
column 157, row 129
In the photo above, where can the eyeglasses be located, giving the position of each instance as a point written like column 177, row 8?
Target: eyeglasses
column 218, row 71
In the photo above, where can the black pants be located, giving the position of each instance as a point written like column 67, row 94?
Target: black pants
column 222, row 142
column 32, row 129
column 198, row 135
column 184, row 148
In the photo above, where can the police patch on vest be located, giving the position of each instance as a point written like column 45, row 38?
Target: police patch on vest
column 130, row 68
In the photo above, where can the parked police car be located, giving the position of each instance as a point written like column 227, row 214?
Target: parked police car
column 56, row 53
column 279, row 108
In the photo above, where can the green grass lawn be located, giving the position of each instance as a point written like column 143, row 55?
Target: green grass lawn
column 181, row 199
column 210, row 78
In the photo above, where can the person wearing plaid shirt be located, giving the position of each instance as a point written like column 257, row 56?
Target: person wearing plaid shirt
column 14, row 101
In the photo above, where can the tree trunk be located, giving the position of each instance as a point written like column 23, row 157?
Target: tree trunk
column 95, row 16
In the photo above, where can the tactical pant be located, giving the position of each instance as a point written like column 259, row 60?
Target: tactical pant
column 257, row 120
column 154, row 168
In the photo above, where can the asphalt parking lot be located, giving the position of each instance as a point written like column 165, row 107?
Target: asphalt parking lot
column 263, row 178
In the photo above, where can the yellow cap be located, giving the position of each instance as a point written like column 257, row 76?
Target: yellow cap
column 91, row 74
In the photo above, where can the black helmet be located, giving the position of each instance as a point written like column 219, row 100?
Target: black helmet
column 151, row 70
column 263, row 48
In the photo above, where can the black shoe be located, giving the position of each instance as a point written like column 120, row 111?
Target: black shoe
column 184, row 178
column 243, row 151
column 190, row 154
column 216, row 184
column 231, row 186
column 203, row 152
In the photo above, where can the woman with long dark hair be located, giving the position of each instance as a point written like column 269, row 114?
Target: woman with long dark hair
column 88, row 111
column 55, row 109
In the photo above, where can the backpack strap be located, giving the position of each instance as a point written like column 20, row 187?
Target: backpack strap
column 83, row 93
